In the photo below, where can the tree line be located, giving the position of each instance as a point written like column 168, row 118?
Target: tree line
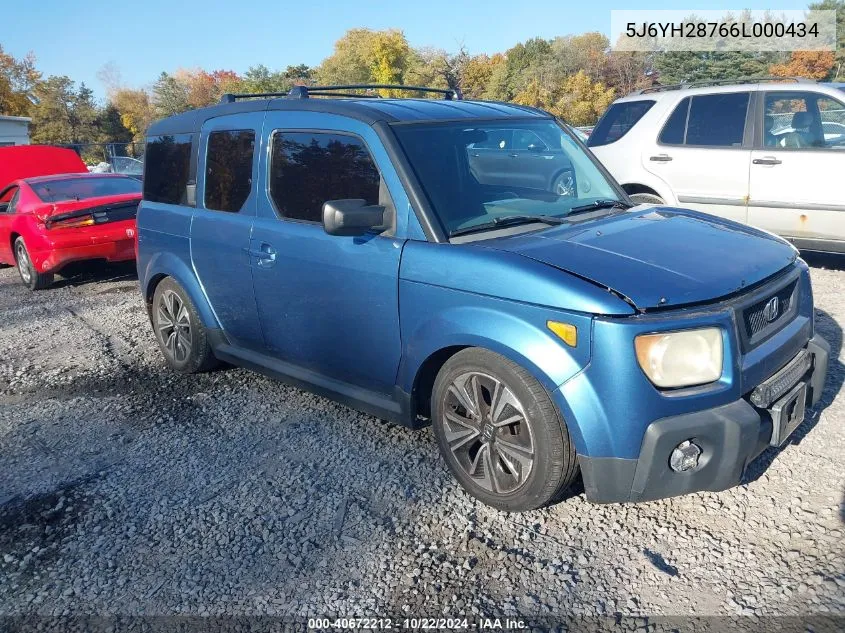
column 574, row 77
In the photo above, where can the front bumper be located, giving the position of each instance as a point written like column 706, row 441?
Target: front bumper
column 730, row 437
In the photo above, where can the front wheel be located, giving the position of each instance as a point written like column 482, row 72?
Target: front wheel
column 30, row 277
column 499, row 432
column 179, row 331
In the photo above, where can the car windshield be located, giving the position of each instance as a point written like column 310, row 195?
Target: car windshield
column 476, row 174
column 83, row 188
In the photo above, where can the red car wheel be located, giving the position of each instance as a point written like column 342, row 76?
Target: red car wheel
column 29, row 276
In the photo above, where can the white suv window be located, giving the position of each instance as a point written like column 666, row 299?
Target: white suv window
column 803, row 120
column 716, row 120
column 617, row 121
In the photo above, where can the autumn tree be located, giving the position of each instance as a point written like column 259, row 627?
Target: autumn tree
column 18, row 78
column 64, row 114
column 478, row 72
column 582, row 101
column 170, row 96
column 816, row 65
column 136, row 110
column 366, row 56
column 838, row 70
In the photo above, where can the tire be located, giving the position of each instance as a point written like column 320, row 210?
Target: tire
column 534, row 458
column 646, row 198
column 564, row 185
column 181, row 335
column 30, row 277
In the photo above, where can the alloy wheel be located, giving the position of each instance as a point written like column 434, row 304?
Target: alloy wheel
column 487, row 432
column 564, row 185
column 24, row 264
column 174, row 326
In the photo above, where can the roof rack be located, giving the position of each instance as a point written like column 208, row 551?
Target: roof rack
column 304, row 92
column 721, row 82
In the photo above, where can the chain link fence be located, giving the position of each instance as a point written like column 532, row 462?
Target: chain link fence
column 833, row 121
column 116, row 158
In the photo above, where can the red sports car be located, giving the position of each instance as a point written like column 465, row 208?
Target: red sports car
column 53, row 212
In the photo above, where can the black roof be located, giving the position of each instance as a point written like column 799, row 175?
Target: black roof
column 367, row 110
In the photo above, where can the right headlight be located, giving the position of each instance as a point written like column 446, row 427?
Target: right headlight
column 681, row 359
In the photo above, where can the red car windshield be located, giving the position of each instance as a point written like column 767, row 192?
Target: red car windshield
column 83, row 188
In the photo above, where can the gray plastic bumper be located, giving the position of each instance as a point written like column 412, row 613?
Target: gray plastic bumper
column 730, row 437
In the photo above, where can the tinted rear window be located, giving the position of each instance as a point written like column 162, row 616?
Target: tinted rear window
column 717, row 120
column 167, row 166
column 84, row 188
column 617, row 121
column 228, row 169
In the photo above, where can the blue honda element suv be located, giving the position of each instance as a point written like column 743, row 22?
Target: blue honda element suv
column 470, row 264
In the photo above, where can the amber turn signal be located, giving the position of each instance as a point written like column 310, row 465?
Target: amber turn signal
column 566, row 332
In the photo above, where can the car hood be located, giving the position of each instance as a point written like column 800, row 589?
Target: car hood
column 28, row 161
column 657, row 257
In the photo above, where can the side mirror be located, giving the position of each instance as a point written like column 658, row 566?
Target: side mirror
column 352, row 216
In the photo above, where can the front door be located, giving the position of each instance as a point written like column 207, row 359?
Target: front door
column 328, row 304
column 703, row 153
column 222, row 222
column 796, row 183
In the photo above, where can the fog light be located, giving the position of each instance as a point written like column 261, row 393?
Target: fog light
column 685, row 456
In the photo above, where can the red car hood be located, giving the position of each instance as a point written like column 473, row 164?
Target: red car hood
column 27, row 161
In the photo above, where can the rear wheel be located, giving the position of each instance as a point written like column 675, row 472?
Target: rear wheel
column 499, row 432
column 30, row 277
column 646, row 198
column 564, row 185
column 179, row 331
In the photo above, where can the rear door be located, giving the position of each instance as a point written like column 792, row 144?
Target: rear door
column 703, row 152
column 222, row 222
column 490, row 160
column 797, row 167
column 534, row 162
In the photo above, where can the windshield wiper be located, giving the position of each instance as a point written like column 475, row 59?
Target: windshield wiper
column 595, row 205
column 508, row 220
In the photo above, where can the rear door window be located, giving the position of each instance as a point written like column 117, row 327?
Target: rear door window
column 228, row 169
column 167, row 168
column 618, row 121
column 717, row 120
column 803, row 120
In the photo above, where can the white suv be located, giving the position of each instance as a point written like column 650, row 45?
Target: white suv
column 758, row 152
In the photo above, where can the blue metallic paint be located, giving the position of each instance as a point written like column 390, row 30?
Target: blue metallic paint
column 164, row 250
column 434, row 317
column 475, row 268
column 359, row 317
column 614, row 426
column 659, row 257
column 220, row 240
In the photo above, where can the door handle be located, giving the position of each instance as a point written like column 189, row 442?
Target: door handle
column 660, row 158
column 766, row 160
column 265, row 254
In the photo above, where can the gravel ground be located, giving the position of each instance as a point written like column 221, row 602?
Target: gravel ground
column 127, row 489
